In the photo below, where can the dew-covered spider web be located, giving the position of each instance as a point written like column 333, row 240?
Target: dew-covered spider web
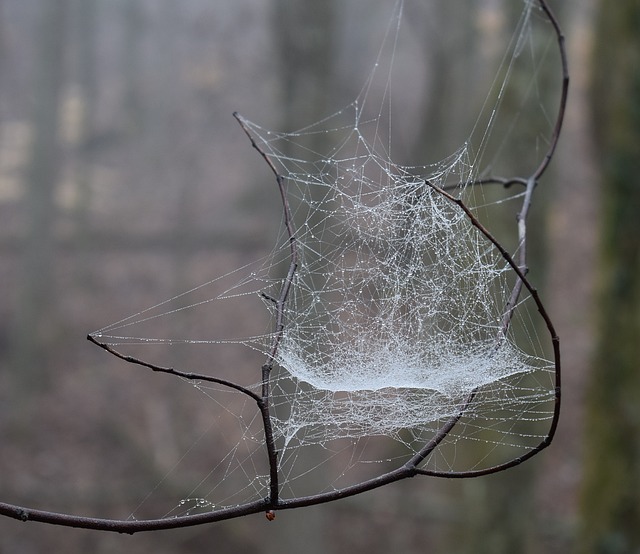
column 400, row 313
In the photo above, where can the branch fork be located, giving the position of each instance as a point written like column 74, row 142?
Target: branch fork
column 272, row 502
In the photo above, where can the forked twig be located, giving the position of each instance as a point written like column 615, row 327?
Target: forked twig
column 172, row 371
column 410, row 468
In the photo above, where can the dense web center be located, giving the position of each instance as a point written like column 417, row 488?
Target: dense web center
column 397, row 305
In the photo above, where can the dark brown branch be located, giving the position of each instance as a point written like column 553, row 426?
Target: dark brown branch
column 293, row 245
column 409, row 469
column 280, row 305
column 129, row 526
column 502, row 181
column 563, row 95
column 172, row 371
column 520, row 269
column 272, row 454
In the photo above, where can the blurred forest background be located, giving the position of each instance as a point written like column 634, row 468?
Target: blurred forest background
column 124, row 180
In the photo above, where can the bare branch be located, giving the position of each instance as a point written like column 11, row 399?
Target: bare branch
column 280, row 304
column 502, row 181
column 272, row 501
column 175, row 372
column 563, row 95
column 520, row 269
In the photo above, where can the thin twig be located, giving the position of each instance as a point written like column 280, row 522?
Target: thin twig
column 280, row 305
column 175, row 372
column 410, row 469
column 520, row 269
column 502, row 181
column 563, row 95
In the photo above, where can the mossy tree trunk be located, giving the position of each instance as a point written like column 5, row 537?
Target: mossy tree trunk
column 611, row 499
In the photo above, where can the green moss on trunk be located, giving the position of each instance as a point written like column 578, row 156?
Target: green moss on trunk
column 611, row 496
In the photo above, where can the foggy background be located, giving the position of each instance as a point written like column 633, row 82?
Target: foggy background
column 124, row 180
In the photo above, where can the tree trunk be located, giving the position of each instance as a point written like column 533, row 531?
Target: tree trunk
column 305, row 37
column 33, row 322
column 611, row 504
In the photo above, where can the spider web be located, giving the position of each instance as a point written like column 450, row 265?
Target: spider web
column 396, row 313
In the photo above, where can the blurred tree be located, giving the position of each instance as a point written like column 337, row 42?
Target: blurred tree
column 572, row 241
column 306, row 40
column 611, row 498
column 305, row 36
column 3, row 40
column 134, row 31
column 495, row 511
column 86, row 23
column 32, row 325
column 305, row 45
column 451, row 59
